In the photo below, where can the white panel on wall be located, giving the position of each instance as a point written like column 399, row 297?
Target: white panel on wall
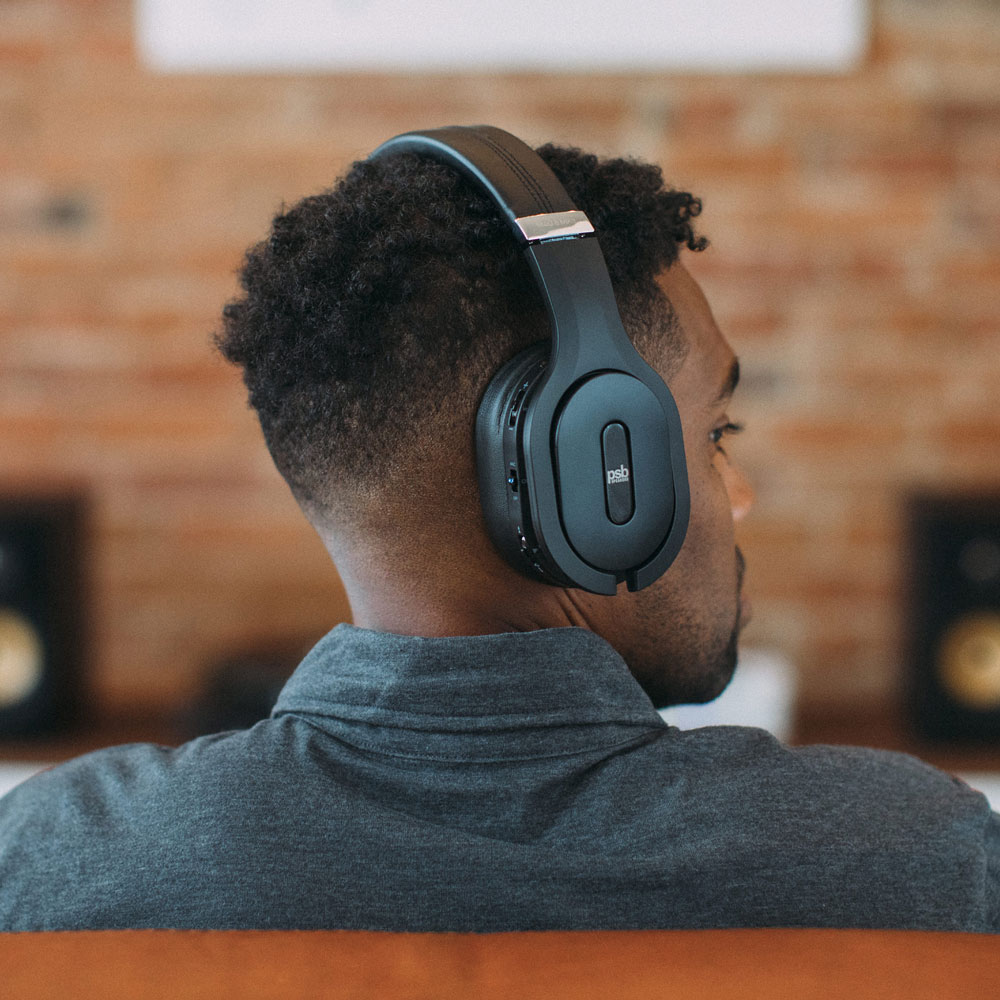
column 509, row 35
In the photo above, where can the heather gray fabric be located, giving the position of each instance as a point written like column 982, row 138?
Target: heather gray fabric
column 491, row 783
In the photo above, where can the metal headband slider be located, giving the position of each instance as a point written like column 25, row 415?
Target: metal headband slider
column 553, row 225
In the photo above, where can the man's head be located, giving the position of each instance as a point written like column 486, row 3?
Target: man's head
column 373, row 319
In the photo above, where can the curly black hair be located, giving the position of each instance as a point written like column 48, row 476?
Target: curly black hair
column 376, row 312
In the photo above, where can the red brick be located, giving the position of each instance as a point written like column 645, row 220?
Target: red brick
column 855, row 266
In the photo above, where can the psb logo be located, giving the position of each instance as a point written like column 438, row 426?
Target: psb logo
column 619, row 475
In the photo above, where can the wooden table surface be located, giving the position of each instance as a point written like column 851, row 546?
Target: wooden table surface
column 588, row 965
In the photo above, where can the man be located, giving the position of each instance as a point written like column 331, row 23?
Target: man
column 481, row 749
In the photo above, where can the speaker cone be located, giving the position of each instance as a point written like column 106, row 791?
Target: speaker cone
column 969, row 661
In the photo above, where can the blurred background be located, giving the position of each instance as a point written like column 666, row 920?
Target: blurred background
column 853, row 203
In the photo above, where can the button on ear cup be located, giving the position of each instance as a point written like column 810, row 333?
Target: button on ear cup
column 619, row 497
column 506, row 506
column 600, row 403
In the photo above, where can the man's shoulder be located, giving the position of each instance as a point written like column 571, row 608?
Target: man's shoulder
column 746, row 745
column 99, row 796
column 98, row 793
column 825, row 781
column 134, row 774
column 111, row 826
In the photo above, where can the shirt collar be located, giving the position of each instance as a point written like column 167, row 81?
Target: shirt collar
column 380, row 690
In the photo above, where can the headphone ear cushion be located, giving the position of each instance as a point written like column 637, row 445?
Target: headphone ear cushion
column 496, row 448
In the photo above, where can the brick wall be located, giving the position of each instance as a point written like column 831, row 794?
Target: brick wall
column 855, row 265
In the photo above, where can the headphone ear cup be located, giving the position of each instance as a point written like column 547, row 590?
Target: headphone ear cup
column 613, row 470
column 504, row 504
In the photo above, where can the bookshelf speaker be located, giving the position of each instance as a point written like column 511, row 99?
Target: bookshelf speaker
column 954, row 618
column 41, row 613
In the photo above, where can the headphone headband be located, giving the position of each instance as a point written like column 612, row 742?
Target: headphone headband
column 534, row 203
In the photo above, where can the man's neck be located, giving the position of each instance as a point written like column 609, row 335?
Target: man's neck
column 409, row 597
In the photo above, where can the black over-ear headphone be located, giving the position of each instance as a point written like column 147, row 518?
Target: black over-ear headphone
column 578, row 442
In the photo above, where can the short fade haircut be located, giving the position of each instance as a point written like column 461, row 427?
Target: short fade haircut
column 375, row 314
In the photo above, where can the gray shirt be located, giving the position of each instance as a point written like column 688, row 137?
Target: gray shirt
column 488, row 783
